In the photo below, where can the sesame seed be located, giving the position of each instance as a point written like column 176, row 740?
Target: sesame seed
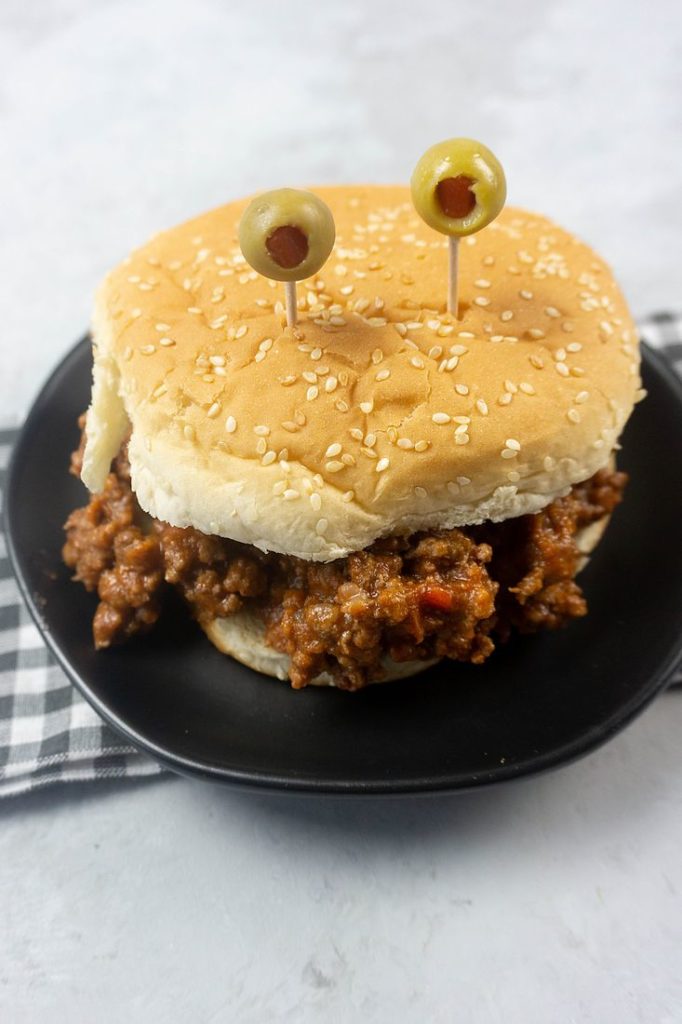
column 290, row 426
column 366, row 407
column 382, row 465
column 315, row 501
column 213, row 411
column 581, row 397
column 440, row 417
column 573, row 416
column 162, row 328
column 482, row 406
column 334, row 466
column 134, row 279
column 482, row 282
column 261, row 446
column 462, row 389
column 451, row 363
column 401, row 329
column 261, row 430
column 505, row 399
column 259, row 357
column 458, row 350
column 445, row 330
column 506, row 315
column 321, row 526
column 268, row 458
column 574, row 346
column 316, row 354
column 567, row 326
column 462, row 438
column 512, row 443
column 598, row 443
column 488, row 261
column 536, row 361
column 230, row 424
column 188, row 431
column 463, row 428
column 347, row 496
column 332, row 450
column 241, row 331
column 337, row 321
column 127, row 353
column 577, row 371
column 194, row 309
column 481, row 300
column 548, row 463
column 341, row 405
column 463, row 481
column 291, row 494
column 310, row 376
column 216, row 360
column 511, row 387
column 562, row 369
column 405, row 443
column 525, row 294
column 435, row 352
column 347, row 289
column 417, row 362
column 560, row 355
column 513, row 476
column 414, row 325
column 370, row 440
column 147, row 350
column 421, row 446
column 161, row 390
column 508, row 453
column 266, row 344
column 312, row 393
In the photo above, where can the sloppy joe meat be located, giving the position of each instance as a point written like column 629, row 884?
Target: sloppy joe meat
column 442, row 593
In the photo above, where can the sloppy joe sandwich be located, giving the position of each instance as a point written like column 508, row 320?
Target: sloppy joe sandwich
column 378, row 487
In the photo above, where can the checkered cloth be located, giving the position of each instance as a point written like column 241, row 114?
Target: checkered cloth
column 48, row 733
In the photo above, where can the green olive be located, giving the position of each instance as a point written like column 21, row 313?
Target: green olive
column 287, row 234
column 458, row 187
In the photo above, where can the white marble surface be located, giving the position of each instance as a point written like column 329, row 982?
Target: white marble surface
column 553, row 900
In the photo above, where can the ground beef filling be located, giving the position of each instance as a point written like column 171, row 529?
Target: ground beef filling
column 445, row 593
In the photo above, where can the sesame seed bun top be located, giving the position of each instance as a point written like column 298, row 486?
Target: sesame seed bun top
column 379, row 412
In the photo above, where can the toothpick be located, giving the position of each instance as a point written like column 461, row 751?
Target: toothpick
column 290, row 298
column 453, row 276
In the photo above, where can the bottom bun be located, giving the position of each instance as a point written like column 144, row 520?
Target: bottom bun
column 242, row 635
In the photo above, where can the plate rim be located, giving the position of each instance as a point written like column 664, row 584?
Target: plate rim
column 271, row 781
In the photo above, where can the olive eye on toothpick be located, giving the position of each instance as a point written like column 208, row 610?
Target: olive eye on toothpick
column 458, row 186
column 287, row 235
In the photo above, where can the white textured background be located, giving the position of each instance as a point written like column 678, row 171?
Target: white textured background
column 555, row 900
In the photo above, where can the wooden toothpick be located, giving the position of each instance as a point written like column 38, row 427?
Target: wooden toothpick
column 453, row 277
column 290, row 299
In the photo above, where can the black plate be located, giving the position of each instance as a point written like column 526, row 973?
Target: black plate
column 536, row 704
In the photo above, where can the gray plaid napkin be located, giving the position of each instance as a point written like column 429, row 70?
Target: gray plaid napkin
column 48, row 733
